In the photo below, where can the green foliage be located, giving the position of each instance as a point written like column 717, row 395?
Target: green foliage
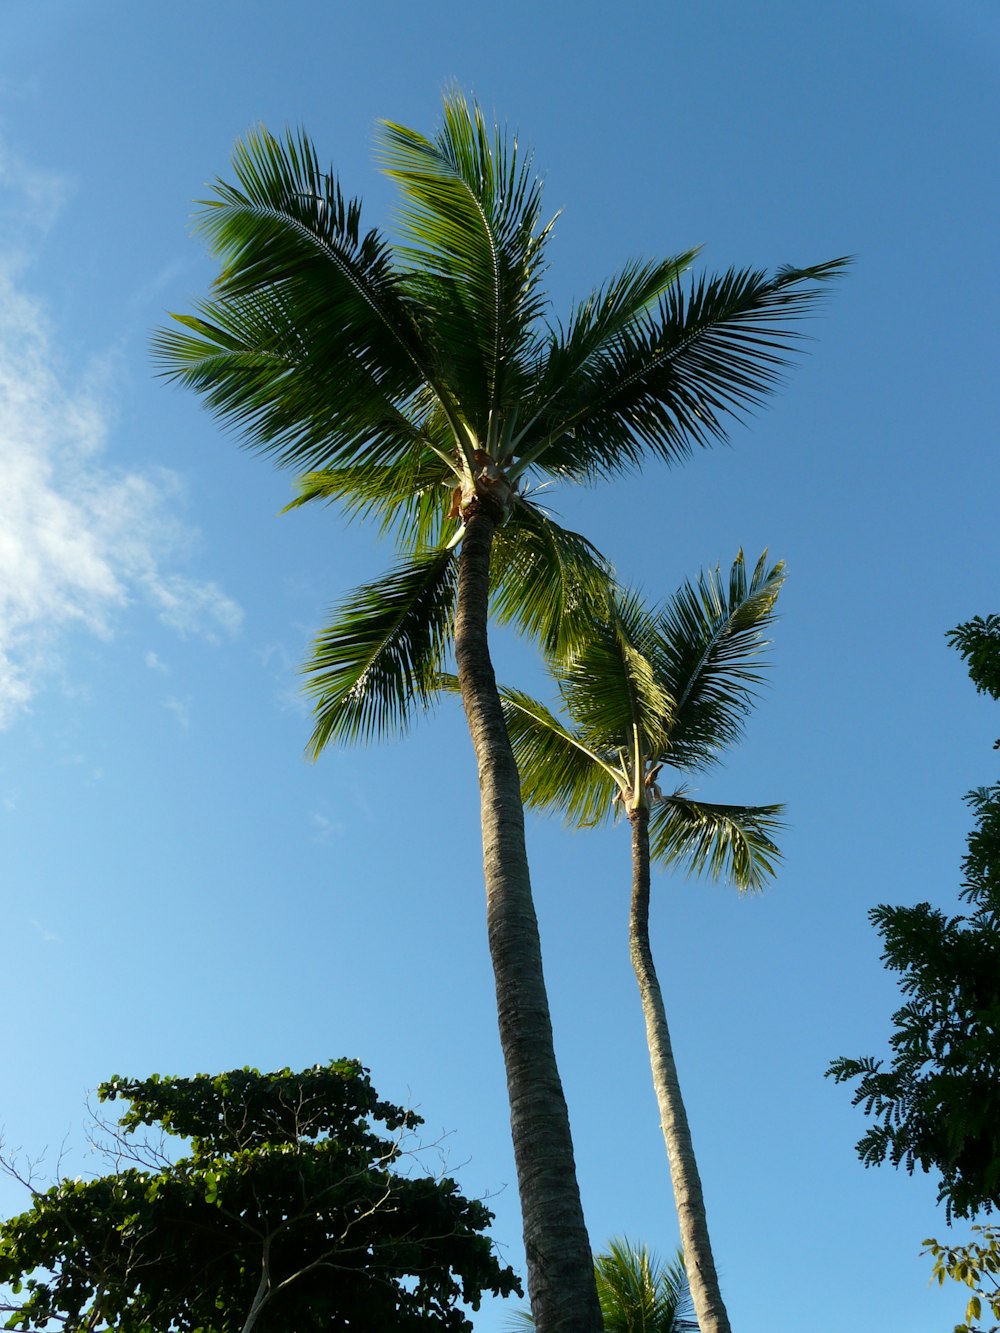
column 288, row 1210
column 978, row 641
column 937, row 1105
column 648, row 690
column 977, row 1265
column 404, row 380
column 638, row 1292
column 383, row 649
column 732, row 842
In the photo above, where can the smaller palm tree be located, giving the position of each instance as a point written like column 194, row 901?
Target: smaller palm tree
column 639, row 1293
column 652, row 690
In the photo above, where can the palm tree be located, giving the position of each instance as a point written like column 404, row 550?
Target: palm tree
column 645, row 692
column 638, row 1292
column 420, row 385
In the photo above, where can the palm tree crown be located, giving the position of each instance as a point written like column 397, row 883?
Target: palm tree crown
column 650, row 690
column 638, row 1292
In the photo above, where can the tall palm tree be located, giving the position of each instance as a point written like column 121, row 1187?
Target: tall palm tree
column 649, row 691
column 638, row 1292
column 419, row 384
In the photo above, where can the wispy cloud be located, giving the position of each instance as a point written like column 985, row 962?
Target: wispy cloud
column 48, row 936
column 181, row 709
column 81, row 539
column 325, row 829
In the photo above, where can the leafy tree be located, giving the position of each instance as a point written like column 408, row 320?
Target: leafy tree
column 648, row 691
column 978, row 641
column 937, row 1104
column 421, row 385
column 638, row 1292
column 977, row 1265
column 288, row 1211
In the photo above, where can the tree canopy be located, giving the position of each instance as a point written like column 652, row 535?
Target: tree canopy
column 937, row 1104
column 289, row 1208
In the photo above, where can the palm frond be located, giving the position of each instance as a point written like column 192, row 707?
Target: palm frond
column 610, row 687
column 706, row 649
column 730, row 842
column 381, row 654
column 471, row 209
column 558, row 771
column 593, row 325
column 673, row 381
column 640, row 1294
column 265, row 374
column 301, row 290
column 409, row 498
column 547, row 579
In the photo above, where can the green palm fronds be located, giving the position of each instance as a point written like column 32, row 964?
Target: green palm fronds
column 653, row 689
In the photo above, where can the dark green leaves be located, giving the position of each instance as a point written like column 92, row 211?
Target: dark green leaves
column 667, row 382
column 470, row 213
column 287, row 1211
column 382, row 652
column 308, row 346
column 978, row 641
column 935, row 1103
column 705, row 649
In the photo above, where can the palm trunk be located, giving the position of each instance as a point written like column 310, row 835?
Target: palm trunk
column 698, row 1260
column 561, row 1284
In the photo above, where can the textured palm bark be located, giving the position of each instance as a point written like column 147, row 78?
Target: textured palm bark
column 698, row 1260
column 561, row 1283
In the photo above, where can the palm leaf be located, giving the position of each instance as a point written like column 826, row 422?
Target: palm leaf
column 301, row 291
column 640, row 1294
column 705, row 650
column 723, row 841
column 288, row 224
column 637, row 1291
column 410, row 498
column 546, row 579
column 558, row 772
column 381, row 654
column 672, row 381
column 471, row 207
column 609, row 686
column 593, row 325
column 266, row 374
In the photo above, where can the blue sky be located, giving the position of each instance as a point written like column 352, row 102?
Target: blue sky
column 182, row 891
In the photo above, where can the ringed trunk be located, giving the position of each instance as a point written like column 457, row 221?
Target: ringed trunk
column 561, row 1284
column 698, row 1260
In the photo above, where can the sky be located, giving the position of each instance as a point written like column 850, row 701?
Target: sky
column 183, row 891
